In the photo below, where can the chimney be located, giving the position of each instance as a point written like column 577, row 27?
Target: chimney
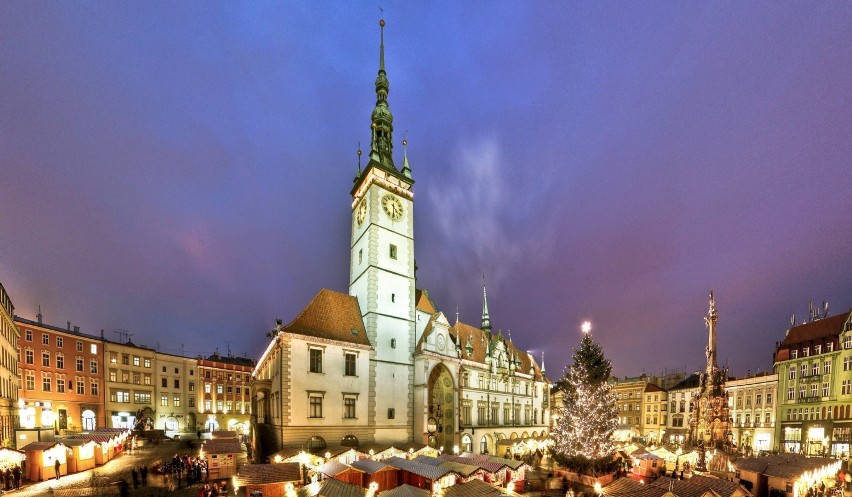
column 102, row 334
column 69, row 325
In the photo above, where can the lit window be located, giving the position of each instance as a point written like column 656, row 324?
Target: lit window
column 93, row 348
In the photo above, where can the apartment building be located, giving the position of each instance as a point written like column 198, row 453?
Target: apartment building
column 8, row 370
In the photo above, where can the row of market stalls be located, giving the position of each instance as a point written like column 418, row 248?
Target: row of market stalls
column 75, row 454
column 376, row 469
column 653, row 462
column 790, row 474
column 697, row 486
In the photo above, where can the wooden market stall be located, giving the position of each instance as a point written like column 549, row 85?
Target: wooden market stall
column 41, row 460
column 106, row 446
column 9, row 458
column 81, row 454
column 382, row 474
column 270, row 480
column 221, row 456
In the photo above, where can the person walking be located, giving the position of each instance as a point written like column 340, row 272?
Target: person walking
column 135, row 476
column 143, row 471
column 57, row 466
column 16, row 474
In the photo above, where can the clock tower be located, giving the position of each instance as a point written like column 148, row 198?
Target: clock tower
column 381, row 273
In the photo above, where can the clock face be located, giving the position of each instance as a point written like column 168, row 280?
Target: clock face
column 392, row 206
column 362, row 213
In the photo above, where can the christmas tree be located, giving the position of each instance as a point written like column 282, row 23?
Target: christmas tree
column 587, row 416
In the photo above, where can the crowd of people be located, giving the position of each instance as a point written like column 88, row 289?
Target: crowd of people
column 11, row 477
column 182, row 469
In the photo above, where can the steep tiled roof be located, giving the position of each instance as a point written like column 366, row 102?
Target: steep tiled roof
column 262, row 474
column 821, row 328
column 333, row 316
column 691, row 381
column 423, row 302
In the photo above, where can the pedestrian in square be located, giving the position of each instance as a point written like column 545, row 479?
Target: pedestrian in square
column 143, row 471
column 57, row 466
column 135, row 476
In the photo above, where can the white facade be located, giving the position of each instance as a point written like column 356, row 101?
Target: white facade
column 172, row 378
column 752, row 403
column 680, row 409
column 129, row 388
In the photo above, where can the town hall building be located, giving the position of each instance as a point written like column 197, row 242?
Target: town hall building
column 382, row 364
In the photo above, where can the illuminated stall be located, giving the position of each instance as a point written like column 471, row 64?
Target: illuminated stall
column 41, row 460
column 81, row 454
column 221, row 456
column 10, row 458
column 268, row 479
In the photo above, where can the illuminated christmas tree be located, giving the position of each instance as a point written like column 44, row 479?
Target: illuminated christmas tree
column 587, row 417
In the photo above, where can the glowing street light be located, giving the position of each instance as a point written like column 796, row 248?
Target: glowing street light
column 586, row 327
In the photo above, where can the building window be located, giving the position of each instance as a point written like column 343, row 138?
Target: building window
column 30, row 380
column 791, row 393
column 316, row 361
column 391, row 413
column 206, row 388
column 176, row 401
column 136, row 361
column 315, row 406
column 393, row 251
column 177, row 383
column 393, row 343
column 768, row 398
column 806, row 352
column 79, row 365
column 146, row 379
column 348, row 407
column 93, row 348
column 164, row 382
column 829, row 347
column 794, row 354
column 847, row 363
column 45, row 382
column 59, row 342
column 229, row 389
column 147, row 362
column 825, row 389
column 93, row 366
column 208, row 405
column 847, row 342
column 125, row 359
column 360, row 256
column 94, row 387
column 815, row 369
column 191, row 386
column 191, row 402
column 164, row 400
column 219, row 389
column 113, row 375
column 826, row 367
column 137, row 378
column 28, row 335
column 30, row 359
column 113, row 358
column 79, row 346
column 45, row 359
column 164, row 369
column 60, row 385
column 844, row 387
column 45, row 339
column 349, row 364
column 60, row 361
column 125, row 376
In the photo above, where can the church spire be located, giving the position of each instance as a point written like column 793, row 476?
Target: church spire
column 381, row 148
column 486, row 319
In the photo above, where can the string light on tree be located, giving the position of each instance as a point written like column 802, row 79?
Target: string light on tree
column 585, row 422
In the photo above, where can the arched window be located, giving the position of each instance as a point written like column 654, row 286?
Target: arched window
column 349, row 441
column 467, row 444
column 316, row 443
column 483, row 445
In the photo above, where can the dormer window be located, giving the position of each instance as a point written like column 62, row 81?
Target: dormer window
column 817, row 349
column 806, row 351
column 794, row 353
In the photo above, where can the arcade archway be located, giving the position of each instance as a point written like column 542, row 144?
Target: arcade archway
column 441, row 423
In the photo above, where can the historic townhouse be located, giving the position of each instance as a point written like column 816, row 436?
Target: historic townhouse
column 751, row 402
column 381, row 364
column 813, row 365
column 8, row 370
column 655, row 402
column 680, row 408
column 629, row 395
column 62, row 377
column 173, row 378
column 129, row 390
column 223, row 395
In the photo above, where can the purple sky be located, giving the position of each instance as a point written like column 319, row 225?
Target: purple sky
column 182, row 169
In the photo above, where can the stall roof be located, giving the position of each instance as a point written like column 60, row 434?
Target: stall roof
column 77, row 442
column 724, row 488
column 459, row 468
column 425, row 470
column 95, row 437
column 481, row 462
column 40, row 445
column 222, row 446
column 627, row 487
column 369, row 466
column 262, row 474
column 474, row 488
column 331, row 488
column 216, row 435
column 405, row 490
column 333, row 468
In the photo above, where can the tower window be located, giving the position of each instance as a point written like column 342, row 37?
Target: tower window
column 393, row 297
column 393, row 343
column 391, row 413
column 393, row 251
column 360, row 256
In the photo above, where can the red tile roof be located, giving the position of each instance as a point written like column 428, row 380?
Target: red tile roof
column 263, row 474
column 821, row 328
column 331, row 315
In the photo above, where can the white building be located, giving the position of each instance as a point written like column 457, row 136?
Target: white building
column 173, row 411
column 382, row 364
column 752, row 403
column 680, row 409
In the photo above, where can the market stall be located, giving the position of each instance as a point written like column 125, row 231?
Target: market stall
column 41, row 460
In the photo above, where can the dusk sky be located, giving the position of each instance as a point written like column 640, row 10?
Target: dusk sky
column 182, row 170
